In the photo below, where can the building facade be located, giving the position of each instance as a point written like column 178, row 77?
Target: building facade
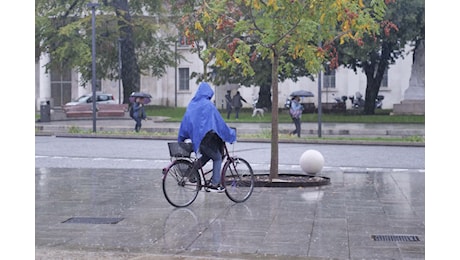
column 176, row 87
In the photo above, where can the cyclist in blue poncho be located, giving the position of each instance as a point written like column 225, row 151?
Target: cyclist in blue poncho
column 205, row 127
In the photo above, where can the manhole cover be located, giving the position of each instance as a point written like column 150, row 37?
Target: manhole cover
column 395, row 238
column 91, row 220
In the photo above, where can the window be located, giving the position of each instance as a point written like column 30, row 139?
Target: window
column 61, row 85
column 384, row 82
column 329, row 78
column 104, row 97
column 184, row 79
column 183, row 41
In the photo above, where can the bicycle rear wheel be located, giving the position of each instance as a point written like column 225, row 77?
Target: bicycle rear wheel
column 181, row 183
column 238, row 179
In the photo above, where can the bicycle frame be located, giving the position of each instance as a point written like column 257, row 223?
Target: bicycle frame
column 226, row 158
column 203, row 173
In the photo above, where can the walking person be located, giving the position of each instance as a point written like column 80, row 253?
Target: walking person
column 205, row 127
column 237, row 104
column 295, row 111
column 228, row 101
column 138, row 113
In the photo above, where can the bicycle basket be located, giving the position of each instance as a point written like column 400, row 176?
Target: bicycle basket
column 180, row 149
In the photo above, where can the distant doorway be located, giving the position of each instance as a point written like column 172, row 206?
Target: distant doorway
column 61, row 86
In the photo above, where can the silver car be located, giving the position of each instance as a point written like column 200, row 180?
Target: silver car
column 101, row 98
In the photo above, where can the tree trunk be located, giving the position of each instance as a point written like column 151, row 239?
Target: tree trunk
column 371, row 94
column 274, row 140
column 265, row 97
column 130, row 73
column 374, row 71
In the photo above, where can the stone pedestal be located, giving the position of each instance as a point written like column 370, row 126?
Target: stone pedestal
column 414, row 96
column 409, row 107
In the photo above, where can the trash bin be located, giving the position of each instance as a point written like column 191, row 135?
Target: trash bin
column 45, row 111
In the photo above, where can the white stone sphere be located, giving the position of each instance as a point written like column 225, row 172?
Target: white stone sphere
column 311, row 162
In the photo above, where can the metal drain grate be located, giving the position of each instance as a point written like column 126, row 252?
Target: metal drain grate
column 404, row 238
column 90, row 220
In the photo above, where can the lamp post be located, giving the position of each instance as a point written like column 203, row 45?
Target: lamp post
column 175, row 72
column 320, row 109
column 93, row 48
column 119, row 70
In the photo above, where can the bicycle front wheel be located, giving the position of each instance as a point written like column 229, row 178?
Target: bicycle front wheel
column 238, row 179
column 181, row 183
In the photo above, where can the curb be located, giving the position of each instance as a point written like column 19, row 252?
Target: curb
column 291, row 181
column 240, row 139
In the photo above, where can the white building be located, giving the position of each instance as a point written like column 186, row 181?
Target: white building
column 170, row 91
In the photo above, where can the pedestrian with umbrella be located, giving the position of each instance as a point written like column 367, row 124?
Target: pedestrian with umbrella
column 137, row 111
column 296, row 113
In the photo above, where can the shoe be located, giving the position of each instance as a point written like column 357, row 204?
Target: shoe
column 215, row 188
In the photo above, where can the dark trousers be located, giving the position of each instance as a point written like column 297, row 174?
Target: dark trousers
column 138, row 125
column 237, row 112
column 210, row 148
column 229, row 112
column 297, row 126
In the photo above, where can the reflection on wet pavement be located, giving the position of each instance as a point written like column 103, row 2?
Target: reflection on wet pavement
column 332, row 221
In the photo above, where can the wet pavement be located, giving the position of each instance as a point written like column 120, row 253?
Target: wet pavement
column 159, row 125
column 364, row 213
column 335, row 221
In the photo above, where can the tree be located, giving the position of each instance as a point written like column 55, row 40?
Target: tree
column 262, row 76
column 63, row 30
column 404, row 22
column 206, row 28
column 277, row 29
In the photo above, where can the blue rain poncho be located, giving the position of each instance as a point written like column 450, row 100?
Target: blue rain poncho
column 202, row 116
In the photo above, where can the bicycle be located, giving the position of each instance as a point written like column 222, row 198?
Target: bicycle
column 182, row 182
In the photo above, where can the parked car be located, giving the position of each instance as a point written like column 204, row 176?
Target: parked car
column 101, row 98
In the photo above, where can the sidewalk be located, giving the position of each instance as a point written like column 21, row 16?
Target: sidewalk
column 122, row 214
column 361, row 214
column 164, row 128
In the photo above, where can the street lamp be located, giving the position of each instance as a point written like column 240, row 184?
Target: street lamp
column 119, row 70
column 93, row 48
column 319, row 105
column 320, row 109
column 175, row 72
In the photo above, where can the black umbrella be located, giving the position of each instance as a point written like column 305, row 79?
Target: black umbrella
column 302, row 93
column 147, row 97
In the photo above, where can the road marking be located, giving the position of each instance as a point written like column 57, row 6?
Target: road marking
column 160, row 164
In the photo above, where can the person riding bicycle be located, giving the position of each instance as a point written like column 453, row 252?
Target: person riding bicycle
column 205, row 127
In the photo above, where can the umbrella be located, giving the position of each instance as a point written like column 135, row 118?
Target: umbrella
column 302, row 93
column 147, row 97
